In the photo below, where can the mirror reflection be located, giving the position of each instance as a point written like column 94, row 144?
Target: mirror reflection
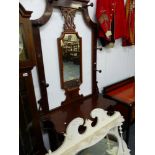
column 70, row 45
column 107, row 146
column 22, row 51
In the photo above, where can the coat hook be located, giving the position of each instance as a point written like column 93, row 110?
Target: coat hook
column 45, row 84
column 99, row 48
column 91, row 4
column 85, row 6
column 99, row 71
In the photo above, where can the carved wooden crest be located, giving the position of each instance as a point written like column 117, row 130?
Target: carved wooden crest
column 69, row 14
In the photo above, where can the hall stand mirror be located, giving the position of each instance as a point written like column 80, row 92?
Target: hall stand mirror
column 70, row 56
column 81, row 121
column 30, row 135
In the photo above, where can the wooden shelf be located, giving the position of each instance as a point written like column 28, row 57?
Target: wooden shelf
column 62, row 116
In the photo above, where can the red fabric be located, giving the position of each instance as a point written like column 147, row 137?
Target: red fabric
column 106, row 10
column 129, row 38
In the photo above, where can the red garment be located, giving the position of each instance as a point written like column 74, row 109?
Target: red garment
column 107, row 10
column 129, row 38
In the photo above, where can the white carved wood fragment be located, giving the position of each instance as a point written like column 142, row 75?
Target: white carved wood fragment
column 75, row 142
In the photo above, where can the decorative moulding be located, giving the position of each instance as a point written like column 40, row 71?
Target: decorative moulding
column 75, row 142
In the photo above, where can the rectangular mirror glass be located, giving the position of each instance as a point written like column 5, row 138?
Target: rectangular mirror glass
column 71, row 57
column 70, row 49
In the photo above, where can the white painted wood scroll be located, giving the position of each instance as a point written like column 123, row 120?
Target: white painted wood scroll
column 75, row 142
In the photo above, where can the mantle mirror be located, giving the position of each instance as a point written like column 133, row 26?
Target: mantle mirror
column 70, row 56
column 70, row 60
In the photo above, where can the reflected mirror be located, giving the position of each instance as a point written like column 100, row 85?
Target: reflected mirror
column 107, row 146
column 70, row 53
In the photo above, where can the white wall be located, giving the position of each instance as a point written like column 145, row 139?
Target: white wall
column 116, row 63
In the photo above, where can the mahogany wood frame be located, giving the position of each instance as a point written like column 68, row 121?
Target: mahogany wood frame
column 39, row 148
column 72, row 93
column 61, row 61
column 55, row 118
column 25, row 68
column 42, row 21
column 27, row 36
column 71, row 87
column 118, row 84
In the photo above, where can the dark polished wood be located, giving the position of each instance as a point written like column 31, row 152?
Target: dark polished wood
column 123, row 93
column 62, row 116
column 56, row 120
column 46, row 15
column 68, row 3
column 43, row 102
column 27, row 37
column 93, row 27
column 43, row 20
column 29, row 120
column 71, row 87
column 30, row 134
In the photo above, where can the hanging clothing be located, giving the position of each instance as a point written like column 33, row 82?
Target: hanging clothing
column 106, row 12
column 108, row 42
column 129, row 38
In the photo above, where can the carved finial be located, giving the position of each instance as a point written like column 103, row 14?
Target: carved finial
column 69, row 14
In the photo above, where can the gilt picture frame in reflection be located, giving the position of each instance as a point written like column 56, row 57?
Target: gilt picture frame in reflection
column 70, row 56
